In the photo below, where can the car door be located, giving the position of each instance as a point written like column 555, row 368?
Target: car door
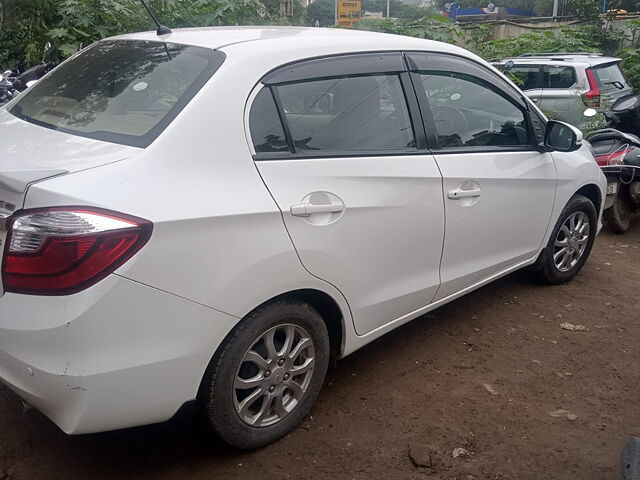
column 498, row 186
column 360, row 196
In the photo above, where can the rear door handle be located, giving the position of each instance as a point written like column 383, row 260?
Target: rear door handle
column 306, row 209
column 459, row 193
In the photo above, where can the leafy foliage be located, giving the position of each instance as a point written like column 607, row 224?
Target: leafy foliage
column 435, row 27
column 324, row 11
column 69, row 24
column 631, row 66
column 564, row 39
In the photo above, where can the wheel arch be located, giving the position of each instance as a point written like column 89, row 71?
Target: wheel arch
column 592, row 192
column 328, row 309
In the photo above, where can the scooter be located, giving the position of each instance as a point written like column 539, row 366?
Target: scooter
column 624, row 114
column 617, row 151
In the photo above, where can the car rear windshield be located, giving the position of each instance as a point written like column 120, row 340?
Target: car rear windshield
column 120, row 91
column 610, row 78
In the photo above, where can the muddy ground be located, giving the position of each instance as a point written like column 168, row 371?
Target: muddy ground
column 481, row 374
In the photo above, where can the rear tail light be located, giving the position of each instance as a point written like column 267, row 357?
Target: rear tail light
column 60, row 251
column 614, row 159
column 591, row 99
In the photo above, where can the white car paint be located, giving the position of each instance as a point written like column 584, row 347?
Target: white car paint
column 133, row 348
column 526, row 181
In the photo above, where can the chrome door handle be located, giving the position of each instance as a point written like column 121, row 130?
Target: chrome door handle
column 306, row 209
column 459, row 193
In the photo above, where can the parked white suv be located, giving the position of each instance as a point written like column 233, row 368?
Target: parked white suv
column 212, row 214
column 564, row 85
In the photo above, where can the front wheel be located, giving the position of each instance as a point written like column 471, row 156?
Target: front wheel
column 618, row 216
column 570, row 242
column 266, row 374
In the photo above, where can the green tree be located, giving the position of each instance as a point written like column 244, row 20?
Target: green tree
column 324, row 11
column 26, row 25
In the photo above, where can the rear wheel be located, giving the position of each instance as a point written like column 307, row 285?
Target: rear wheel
column 618, row 216
column 266, row 374
column 570, row 242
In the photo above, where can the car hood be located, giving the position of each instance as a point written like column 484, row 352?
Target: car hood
column 30, row 153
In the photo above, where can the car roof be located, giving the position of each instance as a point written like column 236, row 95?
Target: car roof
column 591, row 59
column 339, row 40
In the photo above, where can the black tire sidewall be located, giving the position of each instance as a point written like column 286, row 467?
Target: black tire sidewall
column 546, row 265
column 618, row 216
column 217, row 387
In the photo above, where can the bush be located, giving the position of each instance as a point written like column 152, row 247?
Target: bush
column 433, row 27
column 563, row 39
column 631, row 66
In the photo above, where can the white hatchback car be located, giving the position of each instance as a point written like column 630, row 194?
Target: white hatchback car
column 211, row 215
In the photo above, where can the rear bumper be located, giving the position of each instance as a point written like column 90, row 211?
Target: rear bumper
column 118, row 355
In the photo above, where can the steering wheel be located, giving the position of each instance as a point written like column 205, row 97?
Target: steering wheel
column 449, row 120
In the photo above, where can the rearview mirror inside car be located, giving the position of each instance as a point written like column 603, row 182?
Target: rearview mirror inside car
column 562, row 137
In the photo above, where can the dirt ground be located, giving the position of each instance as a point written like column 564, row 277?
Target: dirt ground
column 481, row 374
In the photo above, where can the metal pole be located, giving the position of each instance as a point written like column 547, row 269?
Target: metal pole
column 387, row 8
column 336, row 22
column 555, row 9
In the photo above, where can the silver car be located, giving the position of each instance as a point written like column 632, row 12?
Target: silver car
column 563, row 85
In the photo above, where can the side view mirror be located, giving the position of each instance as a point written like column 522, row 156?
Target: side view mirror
column 562, row 137
column 590, row 112
column 508, row 66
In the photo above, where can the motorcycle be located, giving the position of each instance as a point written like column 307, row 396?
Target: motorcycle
column 7, row 88
column 13, row 83
column 618, row 154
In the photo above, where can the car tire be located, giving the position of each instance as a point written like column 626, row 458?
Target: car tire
column 556, row 266
column 618, row 216
column 255, row 415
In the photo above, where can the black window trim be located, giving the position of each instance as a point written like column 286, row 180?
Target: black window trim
column 332, row 66
column 418, row 108
column 215, row 59
column 358, row 64
column 489, row 77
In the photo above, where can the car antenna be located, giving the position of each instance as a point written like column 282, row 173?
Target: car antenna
column 162, row 30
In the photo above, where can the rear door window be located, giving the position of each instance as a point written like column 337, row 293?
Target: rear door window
column 559, row 77
column 610, row 78
column 347, row 114
column 119, row 91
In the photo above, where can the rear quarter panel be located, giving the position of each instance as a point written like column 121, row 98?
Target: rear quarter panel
column 218, row 237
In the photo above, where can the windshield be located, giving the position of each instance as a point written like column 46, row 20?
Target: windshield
column 610, row 78
column 123, row 92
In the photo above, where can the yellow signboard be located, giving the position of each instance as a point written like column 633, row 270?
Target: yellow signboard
column 349, row 12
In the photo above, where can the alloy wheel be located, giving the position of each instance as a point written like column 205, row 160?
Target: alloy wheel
column 274, row 375
column 571, row 241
